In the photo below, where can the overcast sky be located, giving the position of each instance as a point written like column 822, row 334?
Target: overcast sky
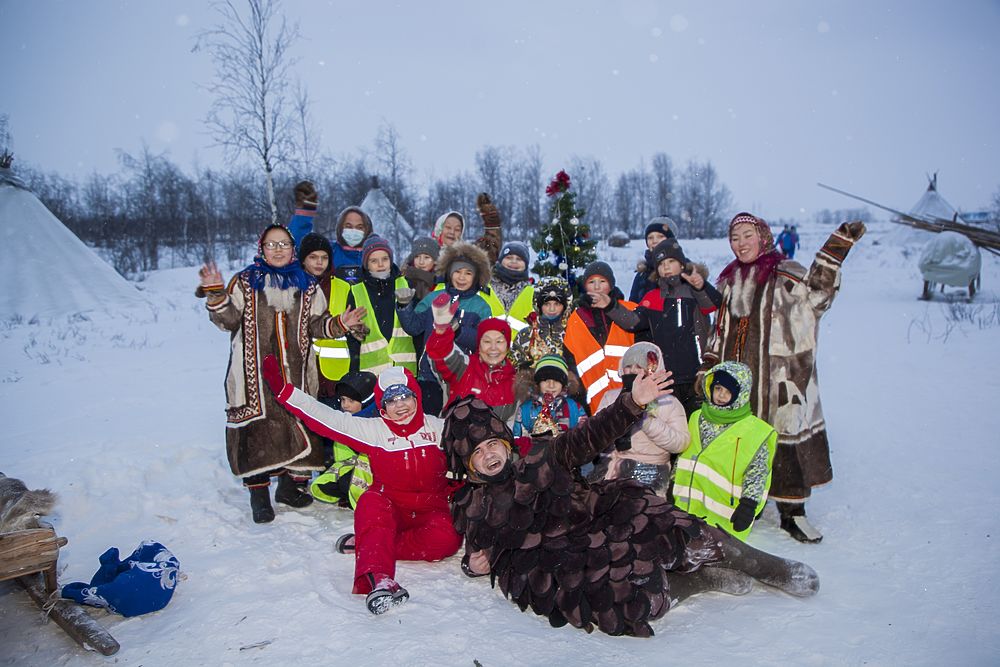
column 868, row 96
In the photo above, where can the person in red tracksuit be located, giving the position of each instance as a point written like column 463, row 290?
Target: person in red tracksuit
column 404, row 514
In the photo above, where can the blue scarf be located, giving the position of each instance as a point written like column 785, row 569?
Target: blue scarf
column 290, row 275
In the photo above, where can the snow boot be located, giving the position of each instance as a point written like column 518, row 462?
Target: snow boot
column 704, row 580
column 260, row 504
column 342, row 546
column 386, row 595
column 292, row 493
column 791, row 576
column 794, row 522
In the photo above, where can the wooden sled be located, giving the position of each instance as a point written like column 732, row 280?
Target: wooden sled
column 30, row 557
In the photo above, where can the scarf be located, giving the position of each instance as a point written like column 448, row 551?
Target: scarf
column 509, row 276
column 290, row 275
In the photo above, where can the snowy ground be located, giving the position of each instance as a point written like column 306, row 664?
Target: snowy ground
column 124, row 418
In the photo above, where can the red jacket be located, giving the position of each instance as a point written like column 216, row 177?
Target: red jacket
column 468, row 374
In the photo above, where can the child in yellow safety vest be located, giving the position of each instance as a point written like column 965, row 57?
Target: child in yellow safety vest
column 348, row 474
column 724, row 474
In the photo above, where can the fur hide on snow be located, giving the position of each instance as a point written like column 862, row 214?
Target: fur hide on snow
column 20, row 507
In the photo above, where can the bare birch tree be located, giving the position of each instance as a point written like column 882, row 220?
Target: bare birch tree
column 250, row 114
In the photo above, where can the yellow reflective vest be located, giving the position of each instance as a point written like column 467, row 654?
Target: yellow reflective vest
column 517, row 316
column 708, row 482
column 377, row 353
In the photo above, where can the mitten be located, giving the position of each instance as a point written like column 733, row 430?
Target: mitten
column 404, row 295
column 306, row 196
column 487, row 210
column 444, row 309
column 272, row 374
column 623, row 443
column 744, row 514
column 852, row 230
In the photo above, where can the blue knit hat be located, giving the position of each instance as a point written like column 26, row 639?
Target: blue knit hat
column 141, row 583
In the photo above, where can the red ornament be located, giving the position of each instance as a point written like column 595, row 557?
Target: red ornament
column 559, row 184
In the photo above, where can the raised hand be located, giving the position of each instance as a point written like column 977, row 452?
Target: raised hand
column 599, row 299
column 352, row 317
column 210, row 275
column 852, row 230
column 444, row 309
column 404, row 295
column 650, row 386
column 487, row 210
column 305, row 195
column 693, row 279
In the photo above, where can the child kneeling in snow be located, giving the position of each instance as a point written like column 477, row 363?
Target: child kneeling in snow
column 404, row 515
column 724, row 474
column 348, row 474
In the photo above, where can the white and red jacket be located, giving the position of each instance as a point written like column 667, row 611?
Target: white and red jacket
column 407, row 462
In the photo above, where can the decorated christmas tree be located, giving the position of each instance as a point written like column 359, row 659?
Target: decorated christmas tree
column 563, row 245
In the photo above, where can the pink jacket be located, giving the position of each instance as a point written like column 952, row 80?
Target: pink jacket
column 662, row 431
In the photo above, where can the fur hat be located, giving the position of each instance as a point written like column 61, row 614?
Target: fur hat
column 314, row 242
column 668, row 249
column 468, row 422
column 663, row 225
column 372, row 244
column 551, row 288
column 359, row 385
column 552, row 367
column 599, row 268
column 460, row 251
column 515, row 248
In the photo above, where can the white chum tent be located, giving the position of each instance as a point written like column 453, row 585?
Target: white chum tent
column 50, row 273
column 388, row 223
column 931, row 207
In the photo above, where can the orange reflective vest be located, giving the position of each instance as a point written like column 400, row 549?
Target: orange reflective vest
column 597, row 366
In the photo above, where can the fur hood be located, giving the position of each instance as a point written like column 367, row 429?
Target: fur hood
column 470, row 253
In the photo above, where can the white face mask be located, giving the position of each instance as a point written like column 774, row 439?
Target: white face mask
column 353, row 237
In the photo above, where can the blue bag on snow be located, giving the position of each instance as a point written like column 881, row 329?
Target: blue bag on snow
column 142, row 583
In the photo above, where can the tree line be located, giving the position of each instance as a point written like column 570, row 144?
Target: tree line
column 152, row 214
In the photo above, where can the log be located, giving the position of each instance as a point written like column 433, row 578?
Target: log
column 72, row 618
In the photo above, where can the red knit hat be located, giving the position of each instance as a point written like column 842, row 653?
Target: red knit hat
column 493, row 324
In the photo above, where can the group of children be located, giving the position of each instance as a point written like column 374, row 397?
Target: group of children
column 367, row 322
column 679, row 447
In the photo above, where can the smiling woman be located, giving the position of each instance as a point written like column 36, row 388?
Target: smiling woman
column 271, row 307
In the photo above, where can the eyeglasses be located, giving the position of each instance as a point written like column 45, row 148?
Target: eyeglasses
column 397, row 399
column 271, row 245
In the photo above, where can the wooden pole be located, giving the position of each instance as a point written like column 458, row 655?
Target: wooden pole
column 72, row 618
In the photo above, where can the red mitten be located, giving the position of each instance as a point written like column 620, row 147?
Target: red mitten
column 272, row 374
column 444, row 309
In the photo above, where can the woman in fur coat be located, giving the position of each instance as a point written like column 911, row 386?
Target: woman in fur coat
column 610, row 554
column 769, row 320
column 271, row 307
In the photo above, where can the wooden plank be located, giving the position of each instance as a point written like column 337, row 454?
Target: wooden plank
column 25, row 551
column 72, row 618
